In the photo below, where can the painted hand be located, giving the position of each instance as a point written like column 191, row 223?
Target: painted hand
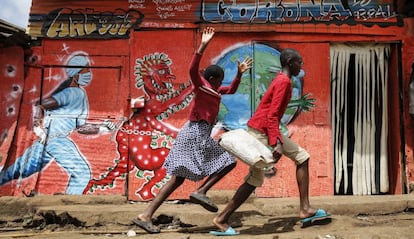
column 245, row 65
column 108, row 125
column 40, row 133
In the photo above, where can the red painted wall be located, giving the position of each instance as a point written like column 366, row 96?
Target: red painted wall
column 12, row 83
column 115, row 94
column 407, row 61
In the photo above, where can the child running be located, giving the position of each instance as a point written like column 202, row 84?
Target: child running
column 264, row 125
column 195, row 154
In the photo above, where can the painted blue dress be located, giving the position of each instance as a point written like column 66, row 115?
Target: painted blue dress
column 58, row 124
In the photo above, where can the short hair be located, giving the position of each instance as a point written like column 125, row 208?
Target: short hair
column 213, row 71
column 288, row 53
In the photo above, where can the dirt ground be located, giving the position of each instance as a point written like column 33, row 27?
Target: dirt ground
column 249, row 222
column 394, row 226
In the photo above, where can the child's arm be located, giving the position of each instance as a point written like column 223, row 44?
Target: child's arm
column 195, row 62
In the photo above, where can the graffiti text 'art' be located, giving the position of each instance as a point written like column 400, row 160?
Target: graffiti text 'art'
column 84, row 23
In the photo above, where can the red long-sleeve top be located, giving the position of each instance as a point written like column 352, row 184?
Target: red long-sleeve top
column 207, row 99
column 271, row 108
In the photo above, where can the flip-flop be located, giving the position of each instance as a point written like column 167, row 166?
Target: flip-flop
column 147, row 226
column 320, row 214
column 204, row 201
column 229, row 232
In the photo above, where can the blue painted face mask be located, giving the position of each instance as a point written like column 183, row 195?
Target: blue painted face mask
column 85, row 78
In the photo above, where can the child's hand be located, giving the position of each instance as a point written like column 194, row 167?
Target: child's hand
column 245, row 65
column 208, row 34
column 277, row 152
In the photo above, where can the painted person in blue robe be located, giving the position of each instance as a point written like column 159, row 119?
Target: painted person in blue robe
column 63, row 112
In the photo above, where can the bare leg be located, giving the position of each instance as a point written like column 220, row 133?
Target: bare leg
column 213, row 179
column 241, row 195
column 163, row 194
column 302, row 177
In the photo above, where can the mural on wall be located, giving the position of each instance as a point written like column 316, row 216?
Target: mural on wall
column 116, row 18
column 55, row 117
column 236, row 109
column 291, row 11
column 145, row 139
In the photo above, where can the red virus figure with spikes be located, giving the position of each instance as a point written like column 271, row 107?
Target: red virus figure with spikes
column 144, row 140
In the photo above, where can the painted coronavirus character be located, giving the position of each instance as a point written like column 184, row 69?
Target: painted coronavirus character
column 144, row 140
